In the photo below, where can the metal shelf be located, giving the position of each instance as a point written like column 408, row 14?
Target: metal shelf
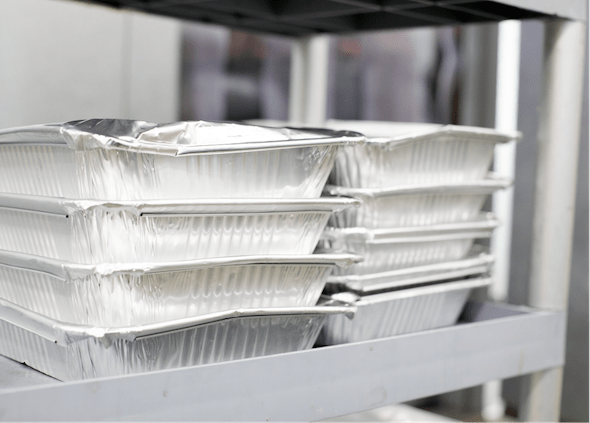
column 301, row 17
column 492, row 341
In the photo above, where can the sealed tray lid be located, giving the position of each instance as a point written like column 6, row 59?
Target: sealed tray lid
column 173, row 139
column 67, row 333
column 394, row 134
column 65, row 206
column 67, row 270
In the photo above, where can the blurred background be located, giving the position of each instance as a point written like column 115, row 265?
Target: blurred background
column 62, row 60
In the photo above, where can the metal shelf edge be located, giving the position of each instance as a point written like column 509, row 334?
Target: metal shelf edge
column 496, row 341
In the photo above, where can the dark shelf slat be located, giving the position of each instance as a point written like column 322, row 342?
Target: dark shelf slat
column 301, row 17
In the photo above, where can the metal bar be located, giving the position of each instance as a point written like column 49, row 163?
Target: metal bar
column 297, row 80
column 507, row 83
column 559, row 133
column 317, row 81
column 505, row 154
column 497, row 342
column 309, row 80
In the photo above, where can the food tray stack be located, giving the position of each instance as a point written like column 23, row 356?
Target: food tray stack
column 127, row 246
column 422, row 188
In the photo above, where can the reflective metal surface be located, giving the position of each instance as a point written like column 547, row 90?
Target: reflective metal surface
column 397, row 248
column 150, row 231
column 414, row 205
column 399, row 154
column 399, row 312
column 411, row 276
column 69, row 352
column 115, row 295
column 133, row 160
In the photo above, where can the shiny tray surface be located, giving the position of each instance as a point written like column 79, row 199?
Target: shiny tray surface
column 386, row 250
column 114, row 159
column 414, row 205
column 70, row 352
column 157, row 231
column 474, row 264
column 399, row 154
column 400, row 312
column 115, row 295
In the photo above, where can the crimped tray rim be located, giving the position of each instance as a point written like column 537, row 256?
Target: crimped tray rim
column 482, row 259
column 433, row 132
column 472, row 229
column 65, row 134
column 66, row 270
column 437, row 288
column 67, row 206
column 488, row 185
column 66, row 333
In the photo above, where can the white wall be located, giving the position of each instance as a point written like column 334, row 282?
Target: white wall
column 64, row 60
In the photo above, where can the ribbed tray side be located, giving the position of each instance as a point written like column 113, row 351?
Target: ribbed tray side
column 33, row 350
column 396, row 317
column 409, row 210
column 117, row 235
column 445, row 159
column 38, row 169
column 384, row 257
column 55, row 170
column 108, row 236
column 231, row 339
column 42, row 234
column 127, row 300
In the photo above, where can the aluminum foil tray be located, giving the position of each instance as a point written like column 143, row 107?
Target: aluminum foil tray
column 117, row 160
column 403, row 154
column 400, row 312
column 69, row 352
column 92, row 231
column 115, row 295
column 414, row 205
column 386, row 250
column 475, row 264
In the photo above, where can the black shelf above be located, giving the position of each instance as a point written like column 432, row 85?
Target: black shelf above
column 303, row 17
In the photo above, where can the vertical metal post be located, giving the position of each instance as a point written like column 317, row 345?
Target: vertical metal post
column 309, row 80
column 297, row 80
column 559, row 133
column 507, row 85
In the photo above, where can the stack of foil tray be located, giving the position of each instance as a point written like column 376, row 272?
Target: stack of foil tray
column 127, row 246
column 422, row 188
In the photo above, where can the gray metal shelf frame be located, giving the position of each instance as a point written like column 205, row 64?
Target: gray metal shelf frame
column 494, row 341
